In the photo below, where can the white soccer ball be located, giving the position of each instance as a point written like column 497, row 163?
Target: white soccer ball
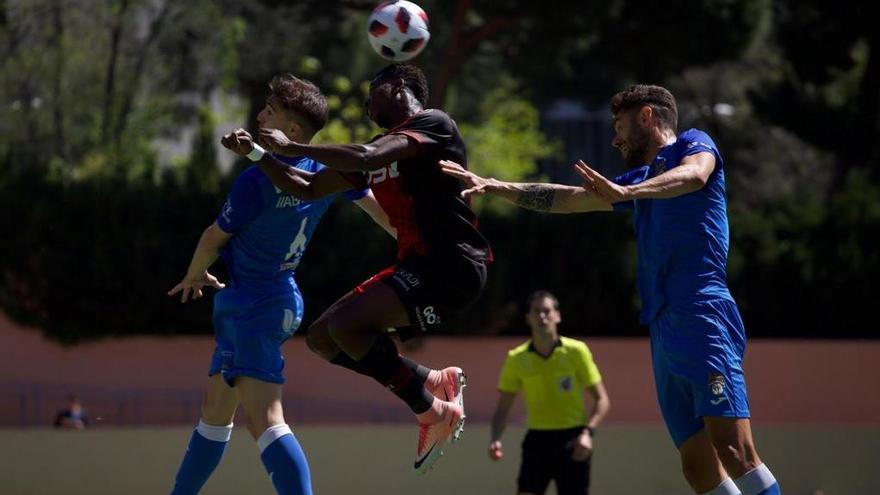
column 398, row 30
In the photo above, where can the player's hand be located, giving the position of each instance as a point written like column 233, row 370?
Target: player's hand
column 239, row 141
column 473, row 183
column 599, row 186
column 581, row 447
column 495, row 452
column 274, row 140
column 191, row 287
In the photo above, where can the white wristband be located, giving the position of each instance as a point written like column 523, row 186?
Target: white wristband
column 257, row 153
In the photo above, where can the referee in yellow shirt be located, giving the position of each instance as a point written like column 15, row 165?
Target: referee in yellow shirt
column 552, row 372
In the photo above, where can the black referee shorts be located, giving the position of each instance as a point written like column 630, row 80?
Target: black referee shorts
column 545, row 458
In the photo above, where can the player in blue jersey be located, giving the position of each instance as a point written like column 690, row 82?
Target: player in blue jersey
column 261, row 234
column 677, row 194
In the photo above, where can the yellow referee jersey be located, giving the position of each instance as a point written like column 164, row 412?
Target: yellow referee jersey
column 553, row 387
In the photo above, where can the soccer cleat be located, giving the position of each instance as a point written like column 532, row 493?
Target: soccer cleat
column 448, row 384
column 436, row 427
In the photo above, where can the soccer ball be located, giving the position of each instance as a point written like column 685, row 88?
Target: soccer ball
column 398, row 30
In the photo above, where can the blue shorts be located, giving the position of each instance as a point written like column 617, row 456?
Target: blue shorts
column 697, row 352
column 249, row 330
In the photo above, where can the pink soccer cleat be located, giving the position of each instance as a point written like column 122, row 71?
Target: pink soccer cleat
column 437, row 426
column 447, row 384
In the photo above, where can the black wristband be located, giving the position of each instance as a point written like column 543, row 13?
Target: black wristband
column 590, row 430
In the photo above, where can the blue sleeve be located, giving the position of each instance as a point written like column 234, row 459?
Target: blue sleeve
column 350, row 194
column 243, row 204
column 355, row 194
column 629, row 178
column 695, row 141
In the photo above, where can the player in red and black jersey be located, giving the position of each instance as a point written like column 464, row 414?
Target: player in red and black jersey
column 442, row 256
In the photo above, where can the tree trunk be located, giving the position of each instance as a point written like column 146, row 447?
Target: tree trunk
column 133, row 85
column 110, row 79
column 57, row 43
column 461, row 46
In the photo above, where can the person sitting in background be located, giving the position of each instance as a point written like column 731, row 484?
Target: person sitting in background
column 72, row 417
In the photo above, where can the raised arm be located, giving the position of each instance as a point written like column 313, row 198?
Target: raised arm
column 345, row 157
column 304, row 185
column 690, row 175
column 307, row 186
column 553, row 198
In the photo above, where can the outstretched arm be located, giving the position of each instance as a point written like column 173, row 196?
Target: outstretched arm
column 690, row 175
column 553, row 198
column 345, row 157
column 304, row 185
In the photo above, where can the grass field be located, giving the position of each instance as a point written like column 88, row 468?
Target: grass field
column 375, row 460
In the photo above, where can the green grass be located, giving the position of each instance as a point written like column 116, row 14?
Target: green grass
column 375, row 460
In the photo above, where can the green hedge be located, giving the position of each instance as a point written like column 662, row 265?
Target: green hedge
column 93, row 259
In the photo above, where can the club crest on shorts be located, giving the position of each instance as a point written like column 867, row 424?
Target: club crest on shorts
column 565, row 384
column 716, row 383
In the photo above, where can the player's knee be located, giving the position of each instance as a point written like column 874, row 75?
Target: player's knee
column 217, row 412
column 258, row 425
column 735, row 456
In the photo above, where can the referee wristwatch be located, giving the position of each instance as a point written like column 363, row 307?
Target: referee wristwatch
column 590, row 430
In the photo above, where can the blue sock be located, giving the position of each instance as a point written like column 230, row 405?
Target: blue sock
column 202, row 456
column 758, row 481
column 285, row 461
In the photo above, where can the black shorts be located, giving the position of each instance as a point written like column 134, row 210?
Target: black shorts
column 545, row 458
column 432, row 288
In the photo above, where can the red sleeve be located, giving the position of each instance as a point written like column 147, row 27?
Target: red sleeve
column 415, row 135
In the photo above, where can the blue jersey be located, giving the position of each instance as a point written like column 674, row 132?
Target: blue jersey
column 682, row 241
column 270, row 228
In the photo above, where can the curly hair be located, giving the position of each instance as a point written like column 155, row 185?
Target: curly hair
column 412, row 76
column 301, row 97
column 657, row 97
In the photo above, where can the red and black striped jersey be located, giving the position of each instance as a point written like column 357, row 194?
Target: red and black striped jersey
column 422, row 203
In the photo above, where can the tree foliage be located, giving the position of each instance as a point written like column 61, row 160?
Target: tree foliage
column 110, row 114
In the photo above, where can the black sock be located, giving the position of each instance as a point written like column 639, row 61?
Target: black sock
column 346, row 361
column 405, row 378
column 420, row 371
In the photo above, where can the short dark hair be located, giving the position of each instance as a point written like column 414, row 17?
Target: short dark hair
column 540, row 295
column 412, row 76
column 657, row 97
column 302, row 97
